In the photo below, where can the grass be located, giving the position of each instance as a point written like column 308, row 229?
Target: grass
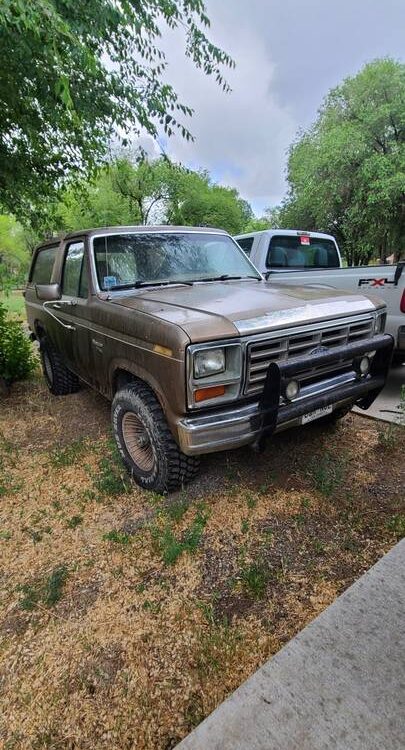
column 118, row 537
column 111, row 478
column 48, row 591
column 190, row 593
column 14, row 303
column 170, row 545
column 68, row 455
column 254, row 578
column 327, row 473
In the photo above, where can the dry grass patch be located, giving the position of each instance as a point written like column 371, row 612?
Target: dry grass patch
column 126, row 617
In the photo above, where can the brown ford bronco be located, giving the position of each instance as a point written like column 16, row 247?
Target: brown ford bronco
column 197, row 352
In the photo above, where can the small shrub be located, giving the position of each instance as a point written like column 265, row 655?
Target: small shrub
column 16, row 355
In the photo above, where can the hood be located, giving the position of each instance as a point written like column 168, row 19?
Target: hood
column 233, row 308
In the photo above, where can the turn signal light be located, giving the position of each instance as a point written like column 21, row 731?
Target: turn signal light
column 211, row 392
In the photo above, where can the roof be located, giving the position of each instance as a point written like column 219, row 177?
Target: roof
column 288, row 232
column 141, row 229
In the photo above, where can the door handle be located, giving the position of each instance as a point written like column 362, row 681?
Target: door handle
column 57, row 306
column 98, row 344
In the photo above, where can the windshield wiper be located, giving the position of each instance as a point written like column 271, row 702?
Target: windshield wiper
column 140, row 284
column 228, row 277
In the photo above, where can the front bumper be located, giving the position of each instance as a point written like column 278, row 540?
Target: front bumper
column 240, row 425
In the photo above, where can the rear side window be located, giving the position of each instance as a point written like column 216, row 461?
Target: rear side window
column 75, row 280
column 246, row 243
column 43, row 265
column 303, row 251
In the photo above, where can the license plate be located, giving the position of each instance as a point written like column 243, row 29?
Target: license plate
column 316, row 414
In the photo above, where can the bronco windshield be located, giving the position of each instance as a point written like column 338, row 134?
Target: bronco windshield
column 125, row 260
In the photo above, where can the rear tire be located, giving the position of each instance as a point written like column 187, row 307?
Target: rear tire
column 58, row 378
column 145, row 442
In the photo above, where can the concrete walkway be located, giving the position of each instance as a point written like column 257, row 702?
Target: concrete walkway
column 338, row 685
column 387, row 405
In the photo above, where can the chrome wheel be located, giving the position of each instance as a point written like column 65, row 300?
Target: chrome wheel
column 137, row 442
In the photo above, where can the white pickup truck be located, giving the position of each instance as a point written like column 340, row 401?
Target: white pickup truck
column 290, row 256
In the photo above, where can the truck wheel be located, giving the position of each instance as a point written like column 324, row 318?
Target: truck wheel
column 59, row 379
column 145, row 442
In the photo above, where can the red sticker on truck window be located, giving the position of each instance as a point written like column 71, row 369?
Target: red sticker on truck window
column 305, row 240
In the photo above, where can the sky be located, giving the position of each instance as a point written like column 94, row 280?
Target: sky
column 288, row 54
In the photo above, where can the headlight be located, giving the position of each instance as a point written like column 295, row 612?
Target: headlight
column 214, row 373
column 209, row 362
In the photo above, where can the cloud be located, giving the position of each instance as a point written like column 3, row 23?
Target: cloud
column 289, row 53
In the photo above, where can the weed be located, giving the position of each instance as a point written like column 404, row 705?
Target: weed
column 244, row 527
column 54, row 585
column 397, row 525
column 31, row 596
column 327, row 473
column 215, row 646
column 5, row 535
column 68, row 455
column 111, row 478
column 388, row 436
column 118, row 537
column 153, row 607
column 194, row 712
column 251, row 501
column 74, row 521
column 176, row 509
column 319, row 547
column 254, row 577
column 207, row 609
column 49, row 591
column 170, row 546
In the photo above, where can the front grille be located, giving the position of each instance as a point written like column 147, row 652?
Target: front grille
column 261, row 353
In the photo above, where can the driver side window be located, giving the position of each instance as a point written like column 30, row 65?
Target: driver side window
column 75, row 279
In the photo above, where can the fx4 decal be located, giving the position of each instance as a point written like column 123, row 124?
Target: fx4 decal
column 376, row 282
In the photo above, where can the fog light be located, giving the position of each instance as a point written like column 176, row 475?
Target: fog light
column 292, row 389
column 362, row 366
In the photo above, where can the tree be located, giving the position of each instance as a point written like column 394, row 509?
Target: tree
column 14, row 255
column 270, row 220
column 151, row 192
column 198, row 202
column 74, row 73
column 347, row 172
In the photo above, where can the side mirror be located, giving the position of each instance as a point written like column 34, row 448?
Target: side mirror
column 48, row 292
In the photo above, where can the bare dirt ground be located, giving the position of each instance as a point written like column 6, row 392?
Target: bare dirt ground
column 126, row 617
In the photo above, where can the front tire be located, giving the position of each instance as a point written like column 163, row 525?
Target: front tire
column 58, row 378
column 145, row 442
